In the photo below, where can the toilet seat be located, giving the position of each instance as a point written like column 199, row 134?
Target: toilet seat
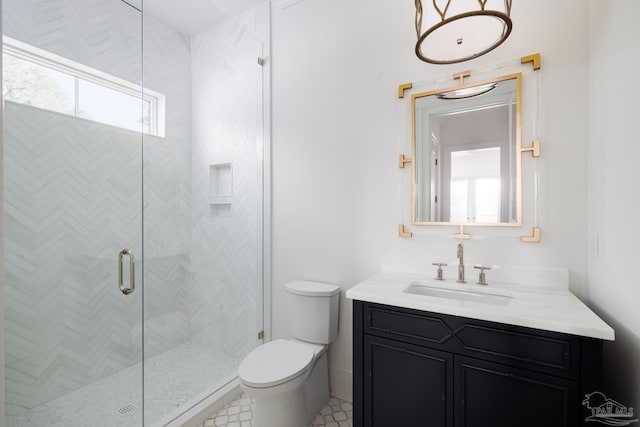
column 275, row 363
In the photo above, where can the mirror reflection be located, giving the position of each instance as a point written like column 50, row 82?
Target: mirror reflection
column 466, row 141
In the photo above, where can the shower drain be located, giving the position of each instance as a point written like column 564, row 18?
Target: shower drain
column 127, row 409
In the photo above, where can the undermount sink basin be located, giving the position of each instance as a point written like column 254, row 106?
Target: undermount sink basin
column 463, row 295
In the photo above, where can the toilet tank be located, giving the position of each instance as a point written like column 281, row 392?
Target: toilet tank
column 313, row 310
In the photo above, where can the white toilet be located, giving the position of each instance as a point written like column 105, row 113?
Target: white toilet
column 289, row 379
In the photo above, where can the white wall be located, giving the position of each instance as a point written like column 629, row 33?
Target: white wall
column 614, row 150
column 337, row 134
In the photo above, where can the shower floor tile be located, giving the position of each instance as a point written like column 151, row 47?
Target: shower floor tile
column 239, row 413
column 172, row 380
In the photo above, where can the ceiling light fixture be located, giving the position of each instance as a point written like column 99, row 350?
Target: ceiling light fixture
column 468, row 92
column 452, row 31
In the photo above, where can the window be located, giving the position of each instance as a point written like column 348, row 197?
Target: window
column 41, row 79
column 475, row 185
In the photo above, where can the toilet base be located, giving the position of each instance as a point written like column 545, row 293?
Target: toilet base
column 317, row 388
column 283, row 410
column 294, row 404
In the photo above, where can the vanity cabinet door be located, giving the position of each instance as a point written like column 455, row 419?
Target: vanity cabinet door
column 406, row 385
column 490, row 394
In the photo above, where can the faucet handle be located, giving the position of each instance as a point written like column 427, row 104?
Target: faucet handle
column 439, row 275
column 482, row 279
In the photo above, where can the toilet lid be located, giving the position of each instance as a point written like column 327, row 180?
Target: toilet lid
column 274, row 363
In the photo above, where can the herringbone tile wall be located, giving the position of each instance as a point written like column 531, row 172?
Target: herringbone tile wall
column 105, row 35
column 67, row 324
column 167, row 192
column 226, row 253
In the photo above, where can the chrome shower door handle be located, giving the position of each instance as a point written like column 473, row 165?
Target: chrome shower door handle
column 132, row 272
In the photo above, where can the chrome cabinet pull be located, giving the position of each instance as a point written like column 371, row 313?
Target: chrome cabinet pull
column 132, row 274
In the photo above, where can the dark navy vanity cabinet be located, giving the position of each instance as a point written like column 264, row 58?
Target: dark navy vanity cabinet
column 421, row 369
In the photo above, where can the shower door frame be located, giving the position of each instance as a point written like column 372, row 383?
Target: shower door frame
column 2, row 399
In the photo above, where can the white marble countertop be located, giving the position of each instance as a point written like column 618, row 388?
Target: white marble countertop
column 551, row 308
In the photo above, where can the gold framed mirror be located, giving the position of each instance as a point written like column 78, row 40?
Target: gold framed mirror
column 466, row 154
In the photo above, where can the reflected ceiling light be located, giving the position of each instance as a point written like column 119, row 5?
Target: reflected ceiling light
column 468, row 92
column 451, row 31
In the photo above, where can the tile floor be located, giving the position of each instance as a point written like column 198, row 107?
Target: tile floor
column 239, row 413
column 174, row 380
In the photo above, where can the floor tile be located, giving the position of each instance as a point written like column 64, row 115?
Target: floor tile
column 239, row 413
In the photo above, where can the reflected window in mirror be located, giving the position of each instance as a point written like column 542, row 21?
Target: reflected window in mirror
column 475, row 185
column 466, row 142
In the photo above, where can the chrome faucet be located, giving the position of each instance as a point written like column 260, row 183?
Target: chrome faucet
column 460, row 264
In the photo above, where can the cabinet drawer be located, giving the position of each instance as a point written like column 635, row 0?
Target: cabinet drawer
column 542, row 351
column 519, row 346
column 418, row 327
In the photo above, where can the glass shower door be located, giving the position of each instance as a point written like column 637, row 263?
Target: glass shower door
column 203, row 214
column 73, row 120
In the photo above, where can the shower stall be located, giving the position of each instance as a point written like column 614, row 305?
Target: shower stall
column 134, row 152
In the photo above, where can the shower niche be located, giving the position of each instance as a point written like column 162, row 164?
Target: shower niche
column 220, row 190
